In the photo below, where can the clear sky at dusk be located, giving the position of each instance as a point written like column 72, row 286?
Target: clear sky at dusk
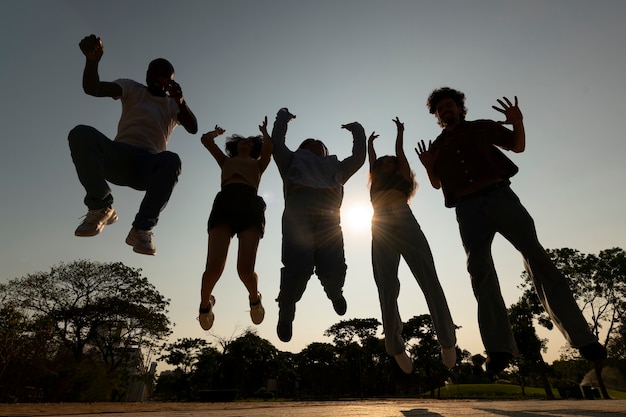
column 330, row 63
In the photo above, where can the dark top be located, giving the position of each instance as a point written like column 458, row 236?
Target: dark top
column 469, row 159
column 390, row 182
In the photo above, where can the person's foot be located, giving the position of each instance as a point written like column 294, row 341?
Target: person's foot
column 593, row 352
column 340, row 305
column 284, row 329
column 286, row 314
column 257, row 312
column 141, row 241
column 448, row 357
column 497, row 362
column 95, row 220
column 404, row 362
column 206, row 316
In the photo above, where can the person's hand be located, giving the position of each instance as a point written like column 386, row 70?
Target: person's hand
column 399, row 124
column 510, row 110
column 285, row 111
column 92, row 47
column 209, row 137
column 351, row 127
column 426, row 155
column 263, row 128
column 174, row 90
column 372, row 137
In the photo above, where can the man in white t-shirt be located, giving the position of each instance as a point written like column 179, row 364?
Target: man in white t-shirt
column 137, row 157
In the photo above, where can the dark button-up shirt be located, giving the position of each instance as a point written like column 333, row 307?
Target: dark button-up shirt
column 469, row 159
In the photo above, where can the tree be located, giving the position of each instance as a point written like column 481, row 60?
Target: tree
column 598, row 283
column 100, row 312
column 346, row 331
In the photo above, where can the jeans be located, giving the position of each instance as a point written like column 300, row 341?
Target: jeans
column 98, row 159
column 502, row 212
column 312, row 241
column 395, row 233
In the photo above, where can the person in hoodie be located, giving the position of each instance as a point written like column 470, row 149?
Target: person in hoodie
column 312, row 241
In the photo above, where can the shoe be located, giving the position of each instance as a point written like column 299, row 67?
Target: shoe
column 404, row 362
column 141, row 241
column 448, row 357
column 340, row 305
column 284, row 329
column 594, row 352
column 95, row 220
column 257, row 312
column 497, row 362
column 206, row 316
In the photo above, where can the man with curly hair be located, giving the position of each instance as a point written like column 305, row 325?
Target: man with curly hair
column 466, row 163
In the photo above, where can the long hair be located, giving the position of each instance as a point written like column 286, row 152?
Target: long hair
column 375, row 171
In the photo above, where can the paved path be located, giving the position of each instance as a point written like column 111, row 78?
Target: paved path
column 369, row 408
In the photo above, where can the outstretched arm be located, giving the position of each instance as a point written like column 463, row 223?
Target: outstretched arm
column 428, row 158
column 185, row 116
column 266, row 150
column 370, row 150
column 513, row 117
column 403, row 164
column 208, row 140
column 93, row 49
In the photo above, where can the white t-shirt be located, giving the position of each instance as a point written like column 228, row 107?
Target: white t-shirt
column 147, row 121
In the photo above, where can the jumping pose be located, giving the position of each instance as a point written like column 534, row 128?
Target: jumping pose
column 396, row 233
column 312, row 238
column 237, row 209
column 137, row 157
column 466, row 163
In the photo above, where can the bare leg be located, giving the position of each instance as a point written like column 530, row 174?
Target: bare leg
column 248, row 244
column 219, row 241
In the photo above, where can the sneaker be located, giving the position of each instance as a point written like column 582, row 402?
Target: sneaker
column 141, row 241
column 340, row 305
column 404, row 362
column 95, row 220
column 206, row 316
column 448, row 357
column 497, row 362
column 257, row 312
column 284, row 329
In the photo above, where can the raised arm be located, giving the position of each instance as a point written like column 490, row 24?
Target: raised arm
column 428, row 157
column 208, row 140
column 282, row 155
column 266, row 150
column 93, row 49
column 403, row 164
column 513, row 117
column 351, row 164
column 370, row 150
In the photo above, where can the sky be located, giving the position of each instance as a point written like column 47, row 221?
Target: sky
column 330, row 63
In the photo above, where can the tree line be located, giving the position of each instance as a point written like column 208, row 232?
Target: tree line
column 88, row 331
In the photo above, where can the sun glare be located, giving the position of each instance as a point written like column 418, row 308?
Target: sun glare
column 357, row 216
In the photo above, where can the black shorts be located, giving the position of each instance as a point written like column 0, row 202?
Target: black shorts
column 239, row 207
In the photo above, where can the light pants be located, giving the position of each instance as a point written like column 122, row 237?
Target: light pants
column 395, row 233
column 502, row 212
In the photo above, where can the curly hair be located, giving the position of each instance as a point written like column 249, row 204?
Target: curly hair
column 446, row 92
column 233, row 141
column 376, row 167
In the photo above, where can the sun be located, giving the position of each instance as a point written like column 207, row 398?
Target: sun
column 357, row 216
